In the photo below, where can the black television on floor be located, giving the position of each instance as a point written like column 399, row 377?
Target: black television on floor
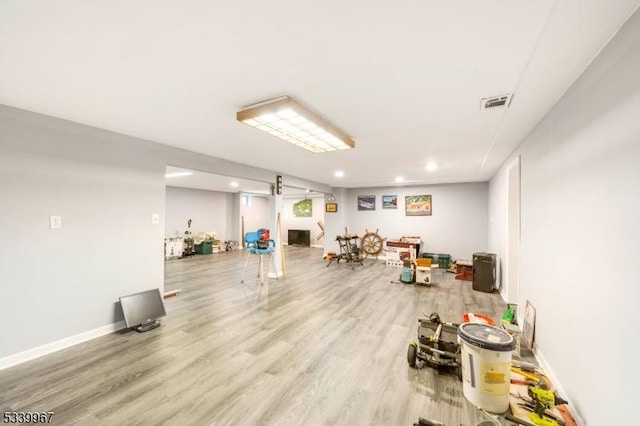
column 298, row 237
column 142, row 310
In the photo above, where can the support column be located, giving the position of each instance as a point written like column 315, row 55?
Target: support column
column 275, row 207
column 234, row 233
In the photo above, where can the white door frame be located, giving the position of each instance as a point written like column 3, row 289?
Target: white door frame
column 513, row 231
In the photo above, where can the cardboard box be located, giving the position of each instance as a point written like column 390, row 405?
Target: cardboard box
column 423, row 275
column 410, row 239
column 393, row 255
column 464, row 271
column 408, row 249
column 423, row 262
column 395, row 263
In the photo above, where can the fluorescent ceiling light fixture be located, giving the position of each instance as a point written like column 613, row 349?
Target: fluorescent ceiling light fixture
column 399, row 179
column 339, row 173
column 234, row 184
column 178, row 174
column 431, row 167
column 289, row 120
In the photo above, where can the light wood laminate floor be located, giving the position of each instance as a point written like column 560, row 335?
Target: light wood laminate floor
column 323, row 346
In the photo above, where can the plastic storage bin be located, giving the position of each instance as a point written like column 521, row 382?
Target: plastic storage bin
column 204, row 248
column 444, row 260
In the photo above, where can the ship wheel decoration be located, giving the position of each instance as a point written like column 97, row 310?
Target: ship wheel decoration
column 372, row 243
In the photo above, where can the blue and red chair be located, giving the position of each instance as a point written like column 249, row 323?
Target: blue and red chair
column 258, row 243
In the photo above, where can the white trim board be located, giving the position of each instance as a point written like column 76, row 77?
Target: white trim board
column 30, row 354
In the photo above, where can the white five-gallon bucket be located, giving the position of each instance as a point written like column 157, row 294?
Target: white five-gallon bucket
column 486, row 365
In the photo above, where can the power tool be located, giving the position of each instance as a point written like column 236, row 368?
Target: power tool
column 543, row 399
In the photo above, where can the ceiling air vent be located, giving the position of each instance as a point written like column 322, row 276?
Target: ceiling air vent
column 501, row 101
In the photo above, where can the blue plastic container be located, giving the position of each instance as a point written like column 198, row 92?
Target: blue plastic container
column 407, row 275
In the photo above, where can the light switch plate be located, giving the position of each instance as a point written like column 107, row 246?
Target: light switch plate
column 55, row 222
column 155, row 219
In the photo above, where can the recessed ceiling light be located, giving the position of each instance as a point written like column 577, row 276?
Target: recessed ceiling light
column 178, row 174
column 431, row 167
column 234, row 184
column 399, row 179
column 339, row 173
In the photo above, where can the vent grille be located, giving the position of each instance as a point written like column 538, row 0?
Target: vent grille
column 493, row 102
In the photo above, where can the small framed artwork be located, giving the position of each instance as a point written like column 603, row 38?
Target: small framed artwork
column 417, row 205
column 331, row 207
column 303, row 208
column 366, row 202
column 389, row 201
column 529, row 325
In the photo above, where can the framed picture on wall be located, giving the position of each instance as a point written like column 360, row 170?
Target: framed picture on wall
column 417, row 205
column 389, row 201
column 331, row 207
column 303, row 208
column 529, row 325
column 366, row 202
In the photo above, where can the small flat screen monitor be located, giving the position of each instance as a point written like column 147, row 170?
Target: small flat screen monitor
column 142, row 310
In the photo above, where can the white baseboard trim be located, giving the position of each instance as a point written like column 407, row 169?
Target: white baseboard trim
column 29, row 354
column 548, row 371
column 542, row 362
column 310, row 245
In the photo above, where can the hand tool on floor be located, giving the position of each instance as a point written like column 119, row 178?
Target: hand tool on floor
column 527, row 375
column 531, row 406
column 524, row 366
column 522, row 382
column 426, row 422
column 516, row 420
column 543, row 400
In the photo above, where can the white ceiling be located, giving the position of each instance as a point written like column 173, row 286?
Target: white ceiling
column 403, row 78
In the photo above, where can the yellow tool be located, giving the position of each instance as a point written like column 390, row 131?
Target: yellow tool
column 543, row 399
column 526, row 374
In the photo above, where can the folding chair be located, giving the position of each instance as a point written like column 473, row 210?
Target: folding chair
column 256, row 245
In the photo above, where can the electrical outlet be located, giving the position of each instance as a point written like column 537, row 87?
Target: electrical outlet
column 155, row 219
column 55, row 222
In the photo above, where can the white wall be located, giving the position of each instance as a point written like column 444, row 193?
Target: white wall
column 457, row 226
column 289, row 221
column 61, row 287
column 334, row 223
column 498, row 223
column 56, row 284
column 580, row 234
column 255, row 214
column 208, row 210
